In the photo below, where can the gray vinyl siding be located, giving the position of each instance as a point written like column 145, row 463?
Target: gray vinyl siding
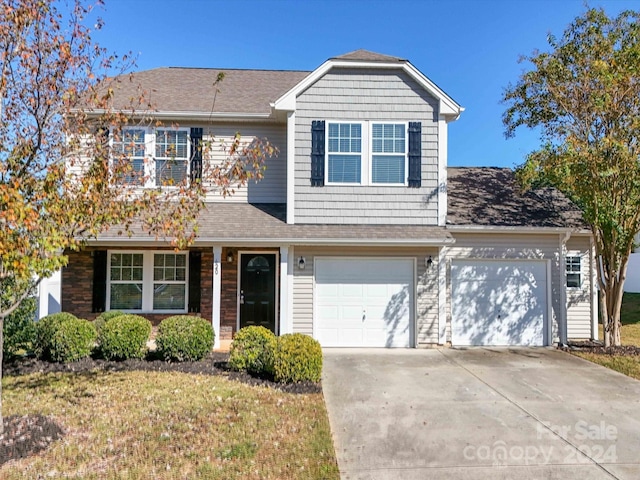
column 509, row 247
column 579, row 307
column 272, row 188
column 356, row 94
column 426, row 288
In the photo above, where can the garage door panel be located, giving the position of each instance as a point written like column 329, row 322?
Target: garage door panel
column 498, row 303
column 369, row 300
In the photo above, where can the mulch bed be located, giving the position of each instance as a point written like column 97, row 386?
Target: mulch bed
column 599, row 348
column 29, row 434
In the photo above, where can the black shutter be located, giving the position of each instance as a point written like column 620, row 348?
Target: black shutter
column 415, row 154
column 196, row 154
column 99, row 302
column 317, row 153
column 195, row 266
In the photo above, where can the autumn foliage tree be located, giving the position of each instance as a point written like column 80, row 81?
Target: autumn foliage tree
column 61, row 182
column 584, row 96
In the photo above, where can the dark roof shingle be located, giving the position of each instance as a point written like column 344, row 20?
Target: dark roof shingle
column 492, row 197
column 368, row 56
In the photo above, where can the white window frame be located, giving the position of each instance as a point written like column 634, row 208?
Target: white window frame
column 405, row 182
column 154, row 158
column 149, row 159
column 366, row 153
column 148, row 281
column 569, row 262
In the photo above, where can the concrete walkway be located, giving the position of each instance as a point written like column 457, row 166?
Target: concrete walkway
column 483, row 413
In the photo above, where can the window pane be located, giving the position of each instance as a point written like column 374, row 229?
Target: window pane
column 170, row 172
column 115, row 259
column 158, row 274
column 388, row 138
column 168, row 297
column 344, row 168
column 137, row 259
column 169, row 260
column 387, row 169
column 127, row 274
column 180, row 274
column 573, row 280
column 137, row 274
column 345, row 137
column 181, row 260
column 127, row 296
column 126, row 259
column 115, row 273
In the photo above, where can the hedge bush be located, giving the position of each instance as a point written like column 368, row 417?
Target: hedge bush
column 104, row 317
column 297, row 358
column 46, row 328
column 19, row 329
column 73, row 339
column 124, row 336
column 184, row 338
column 252, row 350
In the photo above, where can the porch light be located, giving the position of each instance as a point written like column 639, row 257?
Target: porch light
column 230, row 257
column 301, row 263
column 428, row 261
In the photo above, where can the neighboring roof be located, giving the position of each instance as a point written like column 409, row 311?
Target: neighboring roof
column 177, row 89
column 490, row 196
column 265, row 223
column 367, row 56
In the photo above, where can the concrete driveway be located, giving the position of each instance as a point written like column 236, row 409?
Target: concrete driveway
column 480, row 413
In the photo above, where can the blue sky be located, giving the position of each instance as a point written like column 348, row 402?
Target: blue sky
column 470, row 48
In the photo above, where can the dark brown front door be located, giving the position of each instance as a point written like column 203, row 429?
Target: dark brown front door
column 258, row 290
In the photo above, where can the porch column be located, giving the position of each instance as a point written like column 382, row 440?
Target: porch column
column 217, row 275
column 286, row 287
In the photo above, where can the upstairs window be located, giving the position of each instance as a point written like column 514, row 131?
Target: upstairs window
column 388, row 148
column 366, row 153
column 131, row 145
column 345, row 153
column 171, row 156
column 573, row 267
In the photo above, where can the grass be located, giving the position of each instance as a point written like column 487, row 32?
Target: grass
column 629, row 335
column 150, row 425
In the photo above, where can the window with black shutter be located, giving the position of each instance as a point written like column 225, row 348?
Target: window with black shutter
column 317, row 153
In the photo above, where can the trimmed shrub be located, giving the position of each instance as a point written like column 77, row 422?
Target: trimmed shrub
column 73, row 339
column 252, row 350
column 46, row 327
column 104, row 317
column 184, row 338
column 124, row 336
column 19, row 329
column 297, row 358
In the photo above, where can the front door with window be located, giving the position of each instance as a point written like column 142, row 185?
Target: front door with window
column 258, row 290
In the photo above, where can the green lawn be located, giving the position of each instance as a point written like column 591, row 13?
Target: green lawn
column 630, row 335
column 150, row 425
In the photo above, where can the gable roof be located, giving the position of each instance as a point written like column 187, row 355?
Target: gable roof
column 368, row 56
column 448, row 107
column 487, row 196
column 192, row 90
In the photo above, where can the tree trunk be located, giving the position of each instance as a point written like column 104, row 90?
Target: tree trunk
column 604, row 315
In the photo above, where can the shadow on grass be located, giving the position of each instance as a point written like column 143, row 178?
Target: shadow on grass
column 27, row 435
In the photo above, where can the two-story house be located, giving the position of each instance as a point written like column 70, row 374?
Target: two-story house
column 358, row 234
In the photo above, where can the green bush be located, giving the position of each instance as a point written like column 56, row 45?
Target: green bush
column 252, row 350
column 104, row 317
column 297, row 358
column 124, row 336
column 19, row 329
column 72, row 340
column 184, row 338
column 45, row 329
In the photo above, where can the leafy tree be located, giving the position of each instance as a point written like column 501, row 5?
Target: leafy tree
column 584, row 96
column 60, row 182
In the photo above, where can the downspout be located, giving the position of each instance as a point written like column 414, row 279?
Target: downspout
column 562, row 324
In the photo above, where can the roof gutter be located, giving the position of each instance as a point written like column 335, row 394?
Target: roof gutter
column 512, row 230
column 232, row 242
column 190, row 115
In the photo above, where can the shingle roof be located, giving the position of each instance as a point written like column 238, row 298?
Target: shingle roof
column 178, row 89
column 366, row 55
column 260, row 223
column 491, row 196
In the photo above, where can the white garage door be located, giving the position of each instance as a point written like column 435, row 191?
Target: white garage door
column 498, row 302
column 363, row 302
